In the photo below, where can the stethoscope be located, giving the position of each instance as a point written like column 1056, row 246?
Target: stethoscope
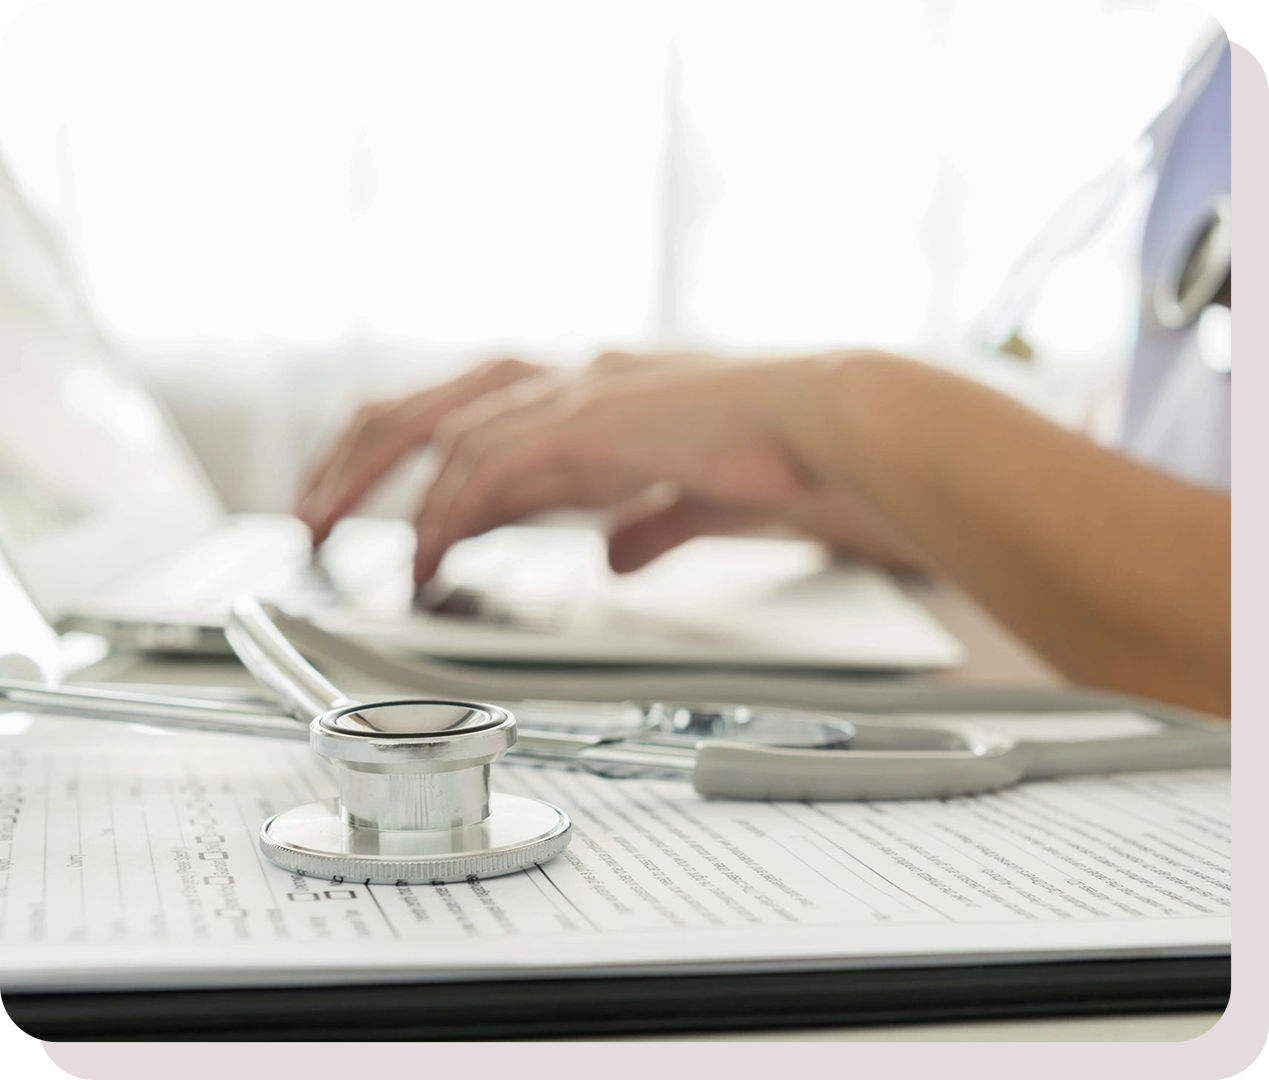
column 414, row 803
column 1193, row 285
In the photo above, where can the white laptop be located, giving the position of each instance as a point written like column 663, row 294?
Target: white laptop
column 114, row 528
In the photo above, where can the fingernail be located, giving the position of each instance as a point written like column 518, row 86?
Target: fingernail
column 424, row 566
column 309, row 512
column 426, row 554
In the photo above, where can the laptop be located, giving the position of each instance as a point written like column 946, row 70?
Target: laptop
column 114, row 528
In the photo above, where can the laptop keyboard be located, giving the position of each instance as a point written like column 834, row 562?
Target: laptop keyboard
column 500, row 579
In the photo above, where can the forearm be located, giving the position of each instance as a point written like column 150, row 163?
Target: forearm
column 1115, row 572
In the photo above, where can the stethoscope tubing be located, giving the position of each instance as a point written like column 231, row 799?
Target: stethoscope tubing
column 893, row 759
column 606, row 756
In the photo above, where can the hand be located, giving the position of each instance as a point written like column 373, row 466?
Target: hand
column 649, row 527
column 678, row 446
column 380, row 433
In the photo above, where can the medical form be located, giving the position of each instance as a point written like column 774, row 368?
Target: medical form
column 129, row 858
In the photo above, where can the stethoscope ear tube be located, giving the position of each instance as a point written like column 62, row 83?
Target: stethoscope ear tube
column 887, row 760
column 986, row 763
column 276, row 664
column 1175, row 748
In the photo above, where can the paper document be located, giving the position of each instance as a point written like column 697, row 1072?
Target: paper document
column 129, row 857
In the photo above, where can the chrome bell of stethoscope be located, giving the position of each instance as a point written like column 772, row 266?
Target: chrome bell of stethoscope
column 1195, row 285
column 414, row 804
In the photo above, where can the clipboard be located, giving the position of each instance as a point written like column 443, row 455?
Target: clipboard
column 636, row 1005
column 714, row 999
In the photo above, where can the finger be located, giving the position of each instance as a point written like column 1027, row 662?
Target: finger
column 539, row 492
column 351, row 479
column 483, row 483
column 593, row 449
column 382, row 434
column 503, row 463
column 424, row 408
column 380, row 437
column 634, row 540
column 333, row 454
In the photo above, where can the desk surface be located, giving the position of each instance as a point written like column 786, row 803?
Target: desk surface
column 993, row 656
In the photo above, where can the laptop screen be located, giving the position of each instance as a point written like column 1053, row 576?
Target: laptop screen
column 94, row 481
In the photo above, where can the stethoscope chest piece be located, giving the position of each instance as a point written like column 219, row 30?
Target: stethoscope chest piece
column 1196, row 285
column 414, row 805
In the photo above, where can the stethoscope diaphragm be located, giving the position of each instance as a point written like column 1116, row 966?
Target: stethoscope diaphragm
column 314, row 840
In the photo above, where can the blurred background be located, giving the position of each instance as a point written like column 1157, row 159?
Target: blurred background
column 280, row 208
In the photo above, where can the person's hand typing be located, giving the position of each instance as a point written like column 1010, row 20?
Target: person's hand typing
column 674, row 446
column 380, row 433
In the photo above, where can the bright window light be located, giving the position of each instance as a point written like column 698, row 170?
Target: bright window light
column 562, row 176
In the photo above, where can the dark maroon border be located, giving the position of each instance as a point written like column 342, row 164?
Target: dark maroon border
column 1231, row 1041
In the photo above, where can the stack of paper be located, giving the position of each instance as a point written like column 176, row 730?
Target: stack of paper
column 128, row 858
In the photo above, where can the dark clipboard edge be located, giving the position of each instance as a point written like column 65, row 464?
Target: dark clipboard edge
column 632, row 1005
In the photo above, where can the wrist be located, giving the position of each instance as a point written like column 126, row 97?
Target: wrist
column 829, row 420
